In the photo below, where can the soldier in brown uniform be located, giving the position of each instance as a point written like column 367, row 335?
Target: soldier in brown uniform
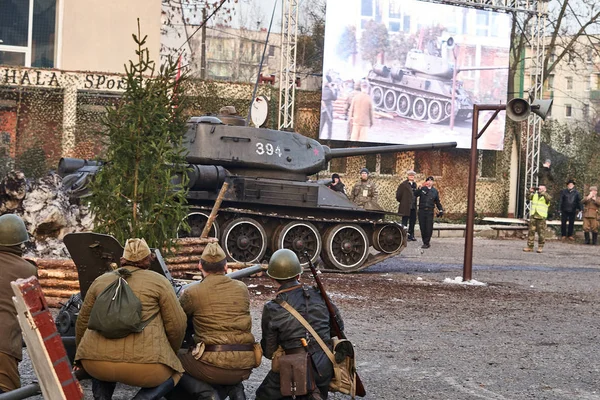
column 224, row 351
column 147, row 359
column 361, row 113
column 364, row 193
column 12, row 234
column 591, row 204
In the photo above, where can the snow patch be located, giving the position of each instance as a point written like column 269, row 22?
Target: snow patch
column 458, row 280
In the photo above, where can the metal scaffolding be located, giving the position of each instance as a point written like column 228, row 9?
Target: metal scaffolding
column 287, row 72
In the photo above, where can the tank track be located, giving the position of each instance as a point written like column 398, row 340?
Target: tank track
column 238, row 214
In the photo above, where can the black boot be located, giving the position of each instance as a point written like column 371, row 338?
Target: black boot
column 594, row 238
column 157, row 392
column 235, row 392
column 198, row 389
column 586, row 235
column 103, row 390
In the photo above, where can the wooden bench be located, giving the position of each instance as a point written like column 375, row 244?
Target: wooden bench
column 439, row 229
column 509, row 228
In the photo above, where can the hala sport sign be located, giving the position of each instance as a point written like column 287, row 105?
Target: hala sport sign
column 55, row 79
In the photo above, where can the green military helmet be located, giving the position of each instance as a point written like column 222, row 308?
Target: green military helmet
column 12, row 230
column 284, row 264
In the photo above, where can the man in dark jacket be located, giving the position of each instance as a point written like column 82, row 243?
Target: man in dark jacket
column 328, row 96
column 428, row 199
column 336, row 184
column 12, row 234
column 280, row 328
column 407, row 203
column 545, row 176
column 569, row 205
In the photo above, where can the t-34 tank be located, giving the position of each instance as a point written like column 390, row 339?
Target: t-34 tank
column 421, row 90
column 270, row 203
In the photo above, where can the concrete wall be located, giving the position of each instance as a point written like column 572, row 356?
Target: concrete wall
column 95, row 35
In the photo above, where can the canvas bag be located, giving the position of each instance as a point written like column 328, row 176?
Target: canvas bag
column 344, row 370
column 117, row 311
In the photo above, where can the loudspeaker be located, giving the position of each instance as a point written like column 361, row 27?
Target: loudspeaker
column 450, row 42
column 541, row 107
column 518, row 109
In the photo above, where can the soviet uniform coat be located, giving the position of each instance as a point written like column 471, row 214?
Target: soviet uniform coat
column 158, row 343
column 590, row 209
column 12, row 267
column 364, row 194
column 220, row 308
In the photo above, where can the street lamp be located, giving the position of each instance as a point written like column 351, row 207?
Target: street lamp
column 518, row 110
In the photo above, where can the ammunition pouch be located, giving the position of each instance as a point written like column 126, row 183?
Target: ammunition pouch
column 294, row 376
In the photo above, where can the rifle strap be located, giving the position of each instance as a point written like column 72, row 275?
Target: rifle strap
column 309, row 328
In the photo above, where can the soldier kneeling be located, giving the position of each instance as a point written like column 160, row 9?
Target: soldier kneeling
column 146, row 358
column 224, row 354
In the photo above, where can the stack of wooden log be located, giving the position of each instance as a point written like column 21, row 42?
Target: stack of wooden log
column 58, row 276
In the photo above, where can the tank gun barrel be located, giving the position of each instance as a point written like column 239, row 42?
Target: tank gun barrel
column 398, row 148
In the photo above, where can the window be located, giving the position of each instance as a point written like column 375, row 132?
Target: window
column 366, row 9
column 487, row 163
column 395, row 10
column 569, row 82
column 588, row 84
column 550, row 82
column 552, row 58
column 271, row 51
column 568, row 110
column 585, row 110
column 388, row 164
column 394, row 26
column 483, row 23
column 17, row 30
column 371, row 162
column 589, row 56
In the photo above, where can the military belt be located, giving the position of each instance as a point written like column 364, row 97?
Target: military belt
column 228, row 347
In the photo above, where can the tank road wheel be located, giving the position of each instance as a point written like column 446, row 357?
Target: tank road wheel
column 244, row 240
column 389, row 101
column 403, row 105
column 448, row 107
column 197, row 221
column 377, row 96
column 300, row 237
column 435, row 111
column 419, row 108
column 388, row 238
column 345, row 247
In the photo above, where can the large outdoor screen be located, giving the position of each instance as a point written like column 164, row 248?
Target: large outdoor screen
column 409, row 72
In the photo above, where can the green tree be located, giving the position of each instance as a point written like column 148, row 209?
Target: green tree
column 138, row 193
column 347, row 46
column 373, row 41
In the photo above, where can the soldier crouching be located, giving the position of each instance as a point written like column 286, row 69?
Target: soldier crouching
column 224, row 354
column 146, row 359
column 280, row 329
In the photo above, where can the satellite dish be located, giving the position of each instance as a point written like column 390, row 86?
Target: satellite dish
column 259, row 111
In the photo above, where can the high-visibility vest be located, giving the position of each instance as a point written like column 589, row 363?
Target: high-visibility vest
column 539, row 206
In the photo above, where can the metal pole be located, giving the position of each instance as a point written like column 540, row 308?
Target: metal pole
column 203, row 47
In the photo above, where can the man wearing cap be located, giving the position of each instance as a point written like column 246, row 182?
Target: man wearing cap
column 336, row 184
column 539, row 200
column 147, row 359
column 220, row 310
column 569, row 205
column 545, row 176
column 407, row 203
column 361, row 113
column 429, row 198
column 364, row 192
column 12, row 234
column 591, row 204
column 282, row 329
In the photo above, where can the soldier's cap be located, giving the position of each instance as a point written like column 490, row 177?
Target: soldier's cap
column 593, row 188
column 335, row 176
column 411, row 172
column 429, row 178
column 213, row 253
column 548, row 161
column 364, row 170
column 571, row 181
column 136, row 250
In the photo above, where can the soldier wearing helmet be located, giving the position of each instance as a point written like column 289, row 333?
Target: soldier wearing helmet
column 281, row 330
column 12, row 234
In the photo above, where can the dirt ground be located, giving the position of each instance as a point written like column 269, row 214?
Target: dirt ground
column 532, row 332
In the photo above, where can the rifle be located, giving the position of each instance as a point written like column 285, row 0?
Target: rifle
column 360, row 388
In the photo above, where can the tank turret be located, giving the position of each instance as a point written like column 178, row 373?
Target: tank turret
column 270, row 202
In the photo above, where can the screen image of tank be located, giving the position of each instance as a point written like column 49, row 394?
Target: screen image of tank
column 409, row 72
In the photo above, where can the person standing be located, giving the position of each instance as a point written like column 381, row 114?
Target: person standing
column 545, row 176
column 591, row 204
column 361, row 113
column 429, row 198
column 407, row 203
column 569, row 206
column 328, row 96
column 220, row 310
column 280, row 328
column 336, row 184
column 364, row 193
column 147, row 359
column 349, row 99
column 12, row 234
column 539, row 201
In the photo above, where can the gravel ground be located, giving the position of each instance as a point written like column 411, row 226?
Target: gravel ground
column 530, row 333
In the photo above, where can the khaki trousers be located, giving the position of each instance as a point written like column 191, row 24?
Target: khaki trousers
column 132, row 374
column 359, row 132
column 590, row 225
column 210, row 374
column 9, row 373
